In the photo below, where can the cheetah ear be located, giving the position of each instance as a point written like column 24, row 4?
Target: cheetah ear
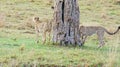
column 119, row 27
column 52, row 7
column 35, row 18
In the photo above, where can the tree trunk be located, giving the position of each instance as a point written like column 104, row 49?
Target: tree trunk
column 66, row 22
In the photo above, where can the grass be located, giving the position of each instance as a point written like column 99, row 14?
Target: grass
column 19, row 49
column 47, row 54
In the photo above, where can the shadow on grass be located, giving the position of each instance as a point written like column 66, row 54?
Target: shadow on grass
column 95, row 48
column 11, row 45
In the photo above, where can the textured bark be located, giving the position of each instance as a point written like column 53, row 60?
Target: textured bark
column 66, row 22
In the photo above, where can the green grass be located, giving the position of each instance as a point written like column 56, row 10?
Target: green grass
column 48, row 54
column 20, row 49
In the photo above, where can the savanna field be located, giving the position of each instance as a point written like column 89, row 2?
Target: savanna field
column 17, row 35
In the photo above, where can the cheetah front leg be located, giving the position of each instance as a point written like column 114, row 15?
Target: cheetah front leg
column 37, row 35
column 44, row 37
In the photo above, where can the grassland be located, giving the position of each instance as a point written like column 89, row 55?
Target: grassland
column 17, row 38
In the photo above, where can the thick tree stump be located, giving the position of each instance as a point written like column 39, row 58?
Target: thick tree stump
column 66, row 22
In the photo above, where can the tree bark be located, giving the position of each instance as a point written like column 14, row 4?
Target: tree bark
column 66, row 22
